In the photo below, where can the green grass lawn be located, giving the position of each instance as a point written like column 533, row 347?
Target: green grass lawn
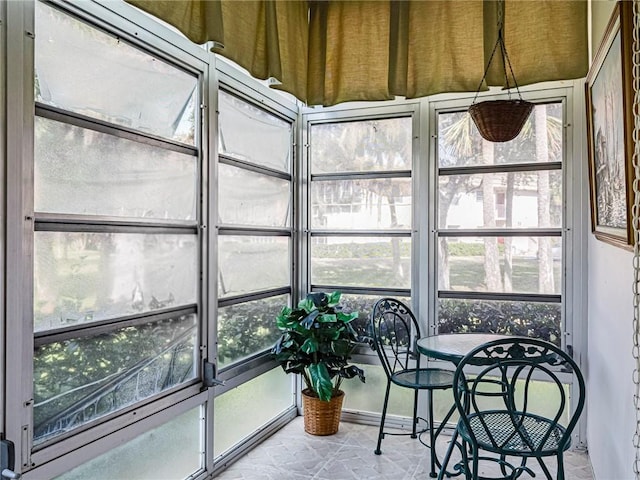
column 466, row 273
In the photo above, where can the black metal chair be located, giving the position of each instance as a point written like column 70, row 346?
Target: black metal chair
column 394, row 331
column 497, row 413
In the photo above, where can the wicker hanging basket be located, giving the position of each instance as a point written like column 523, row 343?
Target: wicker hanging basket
column 500, row 120
column 321, row 418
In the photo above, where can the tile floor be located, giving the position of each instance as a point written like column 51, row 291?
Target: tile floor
column 291, row 454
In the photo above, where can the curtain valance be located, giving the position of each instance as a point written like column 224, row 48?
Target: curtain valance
column 328, row 52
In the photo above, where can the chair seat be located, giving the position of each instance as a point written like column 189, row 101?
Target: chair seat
column 424, row 378
column 515, row 433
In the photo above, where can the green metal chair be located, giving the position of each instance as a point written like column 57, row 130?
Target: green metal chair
column 497, row 413
column 394, row 331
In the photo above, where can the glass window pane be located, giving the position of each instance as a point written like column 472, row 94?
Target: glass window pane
column 77, row 381
column 252, row 263
column 84, row 70
column 248, row 328
column 500, row 264
column 84, row 277
column 460, row 143
column 361, row 204
column 363, row 304
column 361, row 261
column 93, row 173
column 527, row 319
column 243, row 410
column 369, row 145
column 249, row 198
column 152, row 455
column 254, row 135
column 502, row 200
column 368, row 397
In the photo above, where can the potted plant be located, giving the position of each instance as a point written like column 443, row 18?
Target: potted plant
column 316, row 342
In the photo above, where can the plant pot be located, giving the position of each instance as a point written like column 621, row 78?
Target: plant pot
column 321, row 418
column 500, row 120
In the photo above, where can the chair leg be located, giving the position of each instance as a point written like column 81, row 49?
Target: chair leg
column 377, row 451
column 447, row 456
column 432, row 437
column 469, row 473
column 560, row 466
column 475, row 461
column 415, row 415
column 546, row 471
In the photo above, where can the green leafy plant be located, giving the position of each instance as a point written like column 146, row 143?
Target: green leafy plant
column 316, row 342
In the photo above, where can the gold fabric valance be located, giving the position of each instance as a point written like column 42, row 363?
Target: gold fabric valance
column 328, row 52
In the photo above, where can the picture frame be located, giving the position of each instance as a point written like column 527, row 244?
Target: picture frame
column 609, row 101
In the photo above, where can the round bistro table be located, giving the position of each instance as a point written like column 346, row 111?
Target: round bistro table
column 453, row 347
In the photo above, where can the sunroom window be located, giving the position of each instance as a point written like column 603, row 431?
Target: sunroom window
column 499, row 229
column 360, row 210
column 116, row 244
column 255, row 226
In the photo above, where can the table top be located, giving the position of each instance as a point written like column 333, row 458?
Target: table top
column 454, row 346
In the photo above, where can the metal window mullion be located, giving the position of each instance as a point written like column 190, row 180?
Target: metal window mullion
column 361, row 233
column 250, row 93
column 515, row 297
column 64, row 222
column 345, row 113
column 17, row 390
column 225, row 159
column 105, row 326
column 499, row 168
column 327, row 177
column 499, row 232
column 102, row 228
column 101, row 126
column 375, row 291
column 250, row 297
column 253, row 231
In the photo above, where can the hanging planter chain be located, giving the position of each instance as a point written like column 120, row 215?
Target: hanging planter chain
column 500, row 120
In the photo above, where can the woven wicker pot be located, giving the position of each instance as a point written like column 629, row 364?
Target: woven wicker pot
column 500, row 120
column 321, row 418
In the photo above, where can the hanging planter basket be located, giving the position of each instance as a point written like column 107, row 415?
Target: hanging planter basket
column 500, row 120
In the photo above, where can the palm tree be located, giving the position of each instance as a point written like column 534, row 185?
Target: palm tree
column 459, row 141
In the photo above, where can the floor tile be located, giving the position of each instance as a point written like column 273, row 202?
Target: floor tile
column 293, row 454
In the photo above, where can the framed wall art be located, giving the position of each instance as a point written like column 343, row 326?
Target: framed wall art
column 609, row 99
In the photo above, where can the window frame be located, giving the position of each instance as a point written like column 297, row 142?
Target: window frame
column 227, row 78
column 230, row 86
column 22, row 223
column 562, row 96
column 575, row 215
column 354, row 113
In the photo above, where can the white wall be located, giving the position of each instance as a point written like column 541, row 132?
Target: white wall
column 610, row 412
column 610, row 390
